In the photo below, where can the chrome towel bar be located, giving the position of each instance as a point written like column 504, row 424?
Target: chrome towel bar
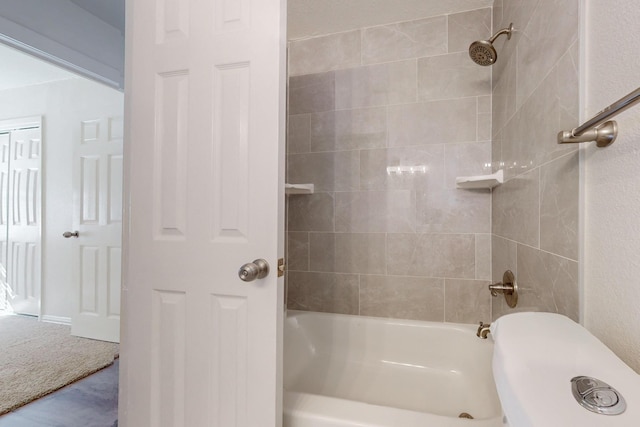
column 600, row 128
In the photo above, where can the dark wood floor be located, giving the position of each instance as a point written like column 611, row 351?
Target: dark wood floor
column 90, row 402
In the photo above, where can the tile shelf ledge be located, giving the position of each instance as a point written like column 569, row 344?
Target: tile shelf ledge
column 480, row 181
column 298, row 189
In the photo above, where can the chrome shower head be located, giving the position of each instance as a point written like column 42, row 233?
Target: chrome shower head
column 483, row 53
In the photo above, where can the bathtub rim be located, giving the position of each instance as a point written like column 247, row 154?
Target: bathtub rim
column 462, row 327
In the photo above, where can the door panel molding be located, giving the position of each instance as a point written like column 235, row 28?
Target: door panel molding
column 204, row 185
column 21, row 213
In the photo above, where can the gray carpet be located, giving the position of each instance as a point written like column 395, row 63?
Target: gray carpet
column 37, row 358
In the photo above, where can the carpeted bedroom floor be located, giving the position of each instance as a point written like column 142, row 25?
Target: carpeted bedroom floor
column 37, row 358
column 90, row 402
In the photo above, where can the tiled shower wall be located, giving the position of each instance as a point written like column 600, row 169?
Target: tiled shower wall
column 370, row 240
column 535, row 213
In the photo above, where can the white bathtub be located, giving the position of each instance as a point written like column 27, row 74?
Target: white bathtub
column 343, row 371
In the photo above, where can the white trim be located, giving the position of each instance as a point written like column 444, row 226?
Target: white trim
column 56, row 319
column 44, row 56
column 582, row 151
column 20, row 123
column 77, row 40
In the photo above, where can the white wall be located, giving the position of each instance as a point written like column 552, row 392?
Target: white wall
column 62, row 104
column 612, row 192
column 63, row 32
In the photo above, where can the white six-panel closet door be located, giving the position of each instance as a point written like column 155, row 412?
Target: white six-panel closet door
column 23, row 213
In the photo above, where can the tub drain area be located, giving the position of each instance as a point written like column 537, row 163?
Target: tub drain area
column 465, row 415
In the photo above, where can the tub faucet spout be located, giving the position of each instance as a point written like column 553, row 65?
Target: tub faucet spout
column 483, row 330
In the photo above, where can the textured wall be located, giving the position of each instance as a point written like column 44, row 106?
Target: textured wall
column 535, row 213
column 371, row 242
column 612, row 205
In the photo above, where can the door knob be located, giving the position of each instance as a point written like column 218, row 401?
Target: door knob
column 68, row 234
column 258, row 269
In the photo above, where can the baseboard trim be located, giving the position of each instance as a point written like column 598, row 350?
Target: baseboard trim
column 56, row 319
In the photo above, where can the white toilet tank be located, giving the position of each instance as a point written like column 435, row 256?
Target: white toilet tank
column 536, row 355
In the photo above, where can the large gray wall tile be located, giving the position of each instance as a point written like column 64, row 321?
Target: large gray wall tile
column 483, row 256
column 404, row 40
column 328, row 171
column 517, row 11
column 313, row 212
column 547, row 282
column 484, row 104
column 297, row 251
column 312, row 93
column 298, row 133
column 496, row 153
column 504, row 95
column 451, row 76
column 516, row 209
column 535, row 95
column 466, row 160
column 360, row 253
column 316, row 168
column 375, row 176
column 326, row 292
column 347, row 126
column 376, row 85
column 467, row 301
column 402, row 297
column 319, row 54
column 503, row 257
column 349, row 129
column 453, row 211
column 448, row 121
column 375, row 211
column 559, row 189
column 322, row 252
column 551, row 31
column 466, row 27
column 431, row 255
column 530, row 137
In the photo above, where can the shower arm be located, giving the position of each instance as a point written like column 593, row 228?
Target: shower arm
column 599, row 128
column 506, row 31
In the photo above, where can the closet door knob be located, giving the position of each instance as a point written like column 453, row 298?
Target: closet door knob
column 68, row 234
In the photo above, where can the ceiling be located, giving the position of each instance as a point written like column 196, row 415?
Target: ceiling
column 19, row 69
column 110, row 11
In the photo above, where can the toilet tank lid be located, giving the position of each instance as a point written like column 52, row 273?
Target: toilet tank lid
column 535, row 357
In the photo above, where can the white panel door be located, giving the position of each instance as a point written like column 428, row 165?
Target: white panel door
column 5, row 139
column 23, row 231
column 97, row 207
column 205, row 108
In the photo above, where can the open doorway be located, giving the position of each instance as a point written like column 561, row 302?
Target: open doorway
column 62, row 153
column 61, row 165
